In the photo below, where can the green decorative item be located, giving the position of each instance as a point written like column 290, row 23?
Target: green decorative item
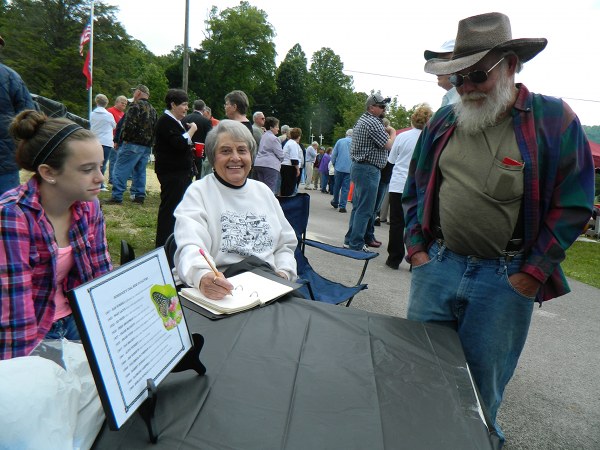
column 167, row 305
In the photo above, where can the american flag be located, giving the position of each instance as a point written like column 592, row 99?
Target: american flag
column 85, row 37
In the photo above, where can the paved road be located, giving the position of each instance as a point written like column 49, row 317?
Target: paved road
column 553, row 401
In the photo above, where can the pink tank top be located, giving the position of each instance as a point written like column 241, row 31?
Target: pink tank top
column 64, row 263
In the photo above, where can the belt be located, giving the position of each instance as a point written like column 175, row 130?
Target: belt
column 513, row 247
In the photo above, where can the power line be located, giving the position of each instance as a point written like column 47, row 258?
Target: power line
column 431, row 81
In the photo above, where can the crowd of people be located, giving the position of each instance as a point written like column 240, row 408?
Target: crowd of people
column 485, row 196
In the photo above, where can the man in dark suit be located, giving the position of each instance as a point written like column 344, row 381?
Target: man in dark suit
column 204, row 126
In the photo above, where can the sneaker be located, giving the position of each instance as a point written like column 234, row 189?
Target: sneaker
column 104, row 189
column 308, row 188
column 139, row 200
column 345, row 245
column 333, row 204
column 343, row 210
column 377, row 222
column 366, row 249
column 113, row 201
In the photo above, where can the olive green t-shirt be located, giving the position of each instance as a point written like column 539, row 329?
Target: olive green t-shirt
column 481, row 190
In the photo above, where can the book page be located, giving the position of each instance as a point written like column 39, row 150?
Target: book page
column 250, row 290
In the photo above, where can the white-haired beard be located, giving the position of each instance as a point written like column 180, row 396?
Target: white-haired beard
column 472, row 116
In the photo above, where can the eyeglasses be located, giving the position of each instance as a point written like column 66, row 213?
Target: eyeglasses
column 477, row 76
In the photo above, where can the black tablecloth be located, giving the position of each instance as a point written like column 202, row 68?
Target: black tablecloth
column 303, row 375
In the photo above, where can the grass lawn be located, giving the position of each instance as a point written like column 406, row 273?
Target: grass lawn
column 583, row 262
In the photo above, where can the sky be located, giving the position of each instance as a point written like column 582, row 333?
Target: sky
column 381, row 44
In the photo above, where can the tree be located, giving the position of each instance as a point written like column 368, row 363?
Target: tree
column 239, row 53
column 48, row 60
column 290, row 105
column 331, row 91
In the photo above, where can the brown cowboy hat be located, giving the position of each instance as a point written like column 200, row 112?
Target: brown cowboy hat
column 479, row 35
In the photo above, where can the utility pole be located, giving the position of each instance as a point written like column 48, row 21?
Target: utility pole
column 186, row 53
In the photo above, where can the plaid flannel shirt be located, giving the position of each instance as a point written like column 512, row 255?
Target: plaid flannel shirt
column 28, row 255
column 558, row 184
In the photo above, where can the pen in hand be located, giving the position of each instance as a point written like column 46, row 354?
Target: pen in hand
column 216, row 273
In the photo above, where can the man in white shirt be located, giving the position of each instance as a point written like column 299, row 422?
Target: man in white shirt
column 102, row 125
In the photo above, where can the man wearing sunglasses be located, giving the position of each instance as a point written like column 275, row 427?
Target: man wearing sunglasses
column 371, row 143
column 499, row 186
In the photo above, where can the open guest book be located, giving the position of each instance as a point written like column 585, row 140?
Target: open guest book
column 250, row 290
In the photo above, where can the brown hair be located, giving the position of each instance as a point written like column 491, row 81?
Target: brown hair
column 32, row 130
column 295, row 133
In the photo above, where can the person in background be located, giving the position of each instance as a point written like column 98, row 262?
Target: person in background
column 203, row 126
column 53, row 232
column 174, row 165
column 371, row 141
column 102, row 124
column 234, row 219
column 324, row 170
column 342, row 164
column 208, row 114
column 135, row 141
column 499, row 186
column 236, row 105
column 14, row 97
column 258, row 127
column 269, row 157
column 117, row 111
column 444, row 52
column 316, row 178
column 285, row 134
column 400, row 156
column 290, row 166
column 311, row 156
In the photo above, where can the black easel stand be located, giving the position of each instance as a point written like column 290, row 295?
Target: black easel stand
column 191, row 361
column 147, row 410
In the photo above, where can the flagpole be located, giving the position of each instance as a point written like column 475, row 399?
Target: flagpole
column 91, row 51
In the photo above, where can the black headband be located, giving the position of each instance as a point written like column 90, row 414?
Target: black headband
column 54, row 142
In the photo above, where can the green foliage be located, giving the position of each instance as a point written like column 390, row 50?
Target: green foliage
column 330, row 91
column 47, row 55
column 593, row 133
column 290, row 104
column 239, row 53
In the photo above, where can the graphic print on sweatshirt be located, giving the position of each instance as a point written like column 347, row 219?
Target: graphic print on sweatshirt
column 245, row 233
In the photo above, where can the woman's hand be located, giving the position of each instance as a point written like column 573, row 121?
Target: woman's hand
column 192, row 127
column 215, row 287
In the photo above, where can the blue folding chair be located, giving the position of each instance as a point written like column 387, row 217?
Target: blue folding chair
column 296, row 209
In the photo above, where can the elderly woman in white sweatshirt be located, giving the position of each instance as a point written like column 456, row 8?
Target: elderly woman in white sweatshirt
column 230, row 217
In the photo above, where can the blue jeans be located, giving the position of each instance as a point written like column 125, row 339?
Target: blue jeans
column 112, row 161
column 341, row 187
column 492, row 319
column 64, row 328
column 8, row 181
column 366, row 181
column 324, row 181
column 132, row 160
column 381, row 190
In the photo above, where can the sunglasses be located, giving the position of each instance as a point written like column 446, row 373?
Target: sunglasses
column 477, row 76
column 380, row 105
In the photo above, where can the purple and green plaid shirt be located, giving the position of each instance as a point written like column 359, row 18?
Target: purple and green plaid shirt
column 28, row 255
column 558, row 184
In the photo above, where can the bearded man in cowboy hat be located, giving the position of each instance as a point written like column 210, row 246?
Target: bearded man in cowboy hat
column 499, row 186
